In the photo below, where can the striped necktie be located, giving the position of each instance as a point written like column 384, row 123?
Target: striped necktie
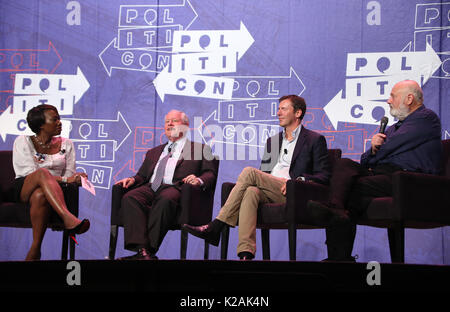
column 161, row 169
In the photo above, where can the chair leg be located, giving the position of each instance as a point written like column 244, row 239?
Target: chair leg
column 292, row 233
column 396, row 237
column 71, row 249
column 65, row 243
column 265, row 238
column 113, row 241
column 206, row 252
column 183, row 244
column 224, row 242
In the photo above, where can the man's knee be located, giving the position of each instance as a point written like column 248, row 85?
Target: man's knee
column 247, row 173
column 252, row 192
column 129, row 202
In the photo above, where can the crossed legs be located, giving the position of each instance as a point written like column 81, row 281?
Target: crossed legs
column 252, row 188
column 44, row 194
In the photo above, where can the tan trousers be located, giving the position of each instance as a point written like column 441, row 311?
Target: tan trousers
column 252, row 188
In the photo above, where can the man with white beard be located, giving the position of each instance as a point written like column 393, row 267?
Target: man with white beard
column 412, row 144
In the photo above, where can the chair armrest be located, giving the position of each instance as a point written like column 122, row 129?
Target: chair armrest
column 297, row 195
column 196, row 205
column 226, row 190
column 116, row 199
column 421, row 197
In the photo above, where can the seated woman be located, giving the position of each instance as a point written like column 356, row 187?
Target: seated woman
column 41, row 162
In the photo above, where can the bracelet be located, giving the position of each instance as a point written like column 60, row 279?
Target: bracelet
column 64, row 179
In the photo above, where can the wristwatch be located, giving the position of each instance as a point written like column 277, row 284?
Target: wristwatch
column 301, row 178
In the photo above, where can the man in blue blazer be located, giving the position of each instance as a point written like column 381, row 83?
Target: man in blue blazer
column 295, row 153
column 412, row 144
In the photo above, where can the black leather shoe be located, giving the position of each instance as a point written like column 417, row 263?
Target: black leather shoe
column 82, row 227
column 245, row 255
column 209, row 232
column 142, row 254
column 325, row 215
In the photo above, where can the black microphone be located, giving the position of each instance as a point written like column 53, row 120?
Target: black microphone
column 384, row 122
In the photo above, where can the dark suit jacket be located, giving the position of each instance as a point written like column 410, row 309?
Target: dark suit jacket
column 195, row 159
column 413, row 144
column 310, row 158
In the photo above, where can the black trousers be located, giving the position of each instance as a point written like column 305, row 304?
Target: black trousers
column 353, row 187
column 148, row 216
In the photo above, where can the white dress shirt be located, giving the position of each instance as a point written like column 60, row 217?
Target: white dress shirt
column 176, row 149
column 281, row 169
column 27, row 160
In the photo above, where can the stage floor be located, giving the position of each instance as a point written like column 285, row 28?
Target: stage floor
column 232, row 277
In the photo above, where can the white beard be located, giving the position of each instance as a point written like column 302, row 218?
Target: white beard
column 401, row 112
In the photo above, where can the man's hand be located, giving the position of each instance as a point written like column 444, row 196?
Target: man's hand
column 127, row 182
column 377, row 140
column 283, row 187
column 191, row 179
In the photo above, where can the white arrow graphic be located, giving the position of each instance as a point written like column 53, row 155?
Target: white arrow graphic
column 193, row 85
column 267, row 86
column 62, row 91
column 157, row 14
column 386, row 70
column 136, row 60
column 52, row 84
column 394, row 63
column 213, row 40
column 99, row 129
column 16, row 124
column 354, row 110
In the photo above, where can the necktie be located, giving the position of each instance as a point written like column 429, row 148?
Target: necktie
column 160, row 171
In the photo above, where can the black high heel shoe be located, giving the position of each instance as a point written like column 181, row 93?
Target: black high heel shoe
column 79, row 229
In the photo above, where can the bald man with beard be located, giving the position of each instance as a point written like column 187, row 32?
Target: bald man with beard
column 412, row 144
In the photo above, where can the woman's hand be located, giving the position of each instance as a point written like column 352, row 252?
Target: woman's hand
column 76, row 178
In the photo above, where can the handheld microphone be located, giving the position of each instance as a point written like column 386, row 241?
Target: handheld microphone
column 384, row 122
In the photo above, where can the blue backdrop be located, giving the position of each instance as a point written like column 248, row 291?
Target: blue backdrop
column 115, row 68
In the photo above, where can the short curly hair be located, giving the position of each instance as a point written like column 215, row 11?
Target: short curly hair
column 36, row 116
